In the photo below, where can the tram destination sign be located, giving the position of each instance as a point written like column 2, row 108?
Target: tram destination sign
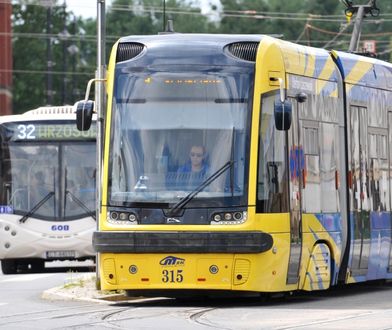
column 45, row 131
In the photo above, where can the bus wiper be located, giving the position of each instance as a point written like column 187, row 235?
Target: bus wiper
column 36, row 207
column 81, row 204
column 204, row 184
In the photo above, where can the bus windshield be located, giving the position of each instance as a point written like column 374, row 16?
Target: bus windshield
column 172, row 130
column 51, row 180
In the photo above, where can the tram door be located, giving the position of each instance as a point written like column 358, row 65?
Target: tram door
column 296, row 165
column 360, row 187
column 390, row 166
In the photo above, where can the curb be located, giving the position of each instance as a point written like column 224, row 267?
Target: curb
column 57, row 293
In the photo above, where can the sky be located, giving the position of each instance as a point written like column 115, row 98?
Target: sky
column 84, row 8
column 88, row 8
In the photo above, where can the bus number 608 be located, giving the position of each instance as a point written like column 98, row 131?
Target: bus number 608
column 172, row 276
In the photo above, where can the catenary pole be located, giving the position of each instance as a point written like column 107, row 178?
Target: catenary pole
column 356, row 35
column 361, row 11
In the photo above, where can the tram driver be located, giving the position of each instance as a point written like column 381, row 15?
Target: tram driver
column 195, row 170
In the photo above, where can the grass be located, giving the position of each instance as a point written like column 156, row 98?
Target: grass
column 87, row 282
column 79, row 283
column 72, row 282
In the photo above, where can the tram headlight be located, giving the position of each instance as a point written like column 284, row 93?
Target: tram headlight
column 229, row 218
column 122, row 218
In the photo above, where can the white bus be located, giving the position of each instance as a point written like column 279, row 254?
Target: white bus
column 47, row 189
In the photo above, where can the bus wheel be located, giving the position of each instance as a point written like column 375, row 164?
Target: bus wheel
column 8, row 266
column 37, row 265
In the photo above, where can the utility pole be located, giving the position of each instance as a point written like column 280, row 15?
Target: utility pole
column 5, row 58
column 164, row 15
column 100, row 102
column 64, row 36
column 361, row 11
column 49, row 57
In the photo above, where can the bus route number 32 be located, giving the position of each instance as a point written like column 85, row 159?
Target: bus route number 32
column 26, row 132
column 172, row 276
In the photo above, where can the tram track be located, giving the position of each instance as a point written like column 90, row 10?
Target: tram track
column 115, row 319
column 328, row 322
column 46, row 311
column 58, row 313
column 183, row 314
column 197, row 318
column 359, row 305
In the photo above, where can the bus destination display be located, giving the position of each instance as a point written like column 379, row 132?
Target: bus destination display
column 19, row 131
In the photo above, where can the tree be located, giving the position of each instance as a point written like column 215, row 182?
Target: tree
column 315, row 23
column 44, row 70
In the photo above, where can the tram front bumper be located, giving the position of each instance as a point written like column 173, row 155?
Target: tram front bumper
column 178, row 260
column 181, row 242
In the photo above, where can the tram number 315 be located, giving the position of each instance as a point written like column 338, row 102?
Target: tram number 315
column 172, row 276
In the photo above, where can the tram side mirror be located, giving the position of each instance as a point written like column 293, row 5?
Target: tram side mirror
column 84, row 114
column 282, row 115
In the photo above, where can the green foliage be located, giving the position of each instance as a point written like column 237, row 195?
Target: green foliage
column 147, row 17
column 31, row 76
column 315, row 23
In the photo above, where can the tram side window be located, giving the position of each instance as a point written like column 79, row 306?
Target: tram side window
column 384, row 171
column 378, row 173
column 311, row 201
column 272, row 181
column 328, row 168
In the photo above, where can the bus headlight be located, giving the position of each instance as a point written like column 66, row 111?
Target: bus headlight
column 229, row 218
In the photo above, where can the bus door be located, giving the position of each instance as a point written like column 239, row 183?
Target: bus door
column 360, row 213
column 296, row 165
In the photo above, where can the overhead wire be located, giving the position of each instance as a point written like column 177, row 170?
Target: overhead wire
column 229, row 13
column 61, row 73
column 378, row 34
column 249, row 14
column 332, row 41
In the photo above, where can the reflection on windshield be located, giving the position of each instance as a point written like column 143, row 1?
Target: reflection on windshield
column 171, row 133
column 79, row 173
column 33, row 173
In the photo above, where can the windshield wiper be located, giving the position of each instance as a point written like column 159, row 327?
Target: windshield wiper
column 81, row 204
column 36, row 207
column 199, row 188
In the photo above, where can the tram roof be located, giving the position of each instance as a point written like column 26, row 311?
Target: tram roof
column 181, row 38
column 298, row 59
column 365, row 71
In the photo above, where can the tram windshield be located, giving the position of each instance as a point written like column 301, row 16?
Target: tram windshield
column 178, row 132
column 51, row 180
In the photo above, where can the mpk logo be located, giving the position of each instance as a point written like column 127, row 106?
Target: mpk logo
column 172, row 261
